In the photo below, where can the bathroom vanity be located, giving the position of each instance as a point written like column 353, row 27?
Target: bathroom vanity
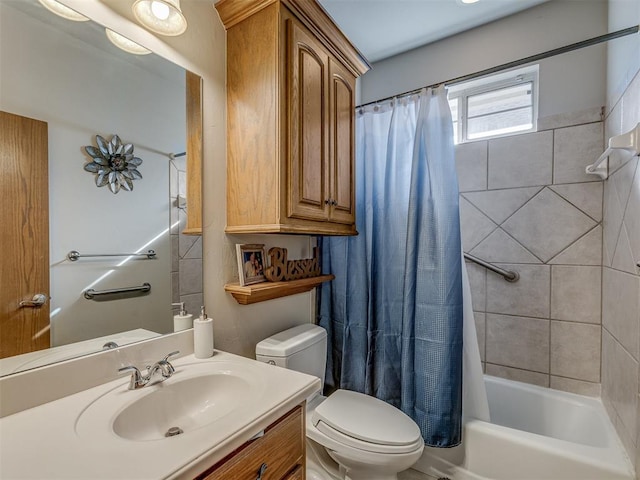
column 237, row 418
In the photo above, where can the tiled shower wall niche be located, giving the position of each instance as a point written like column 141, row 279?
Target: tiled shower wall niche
column 527, row 205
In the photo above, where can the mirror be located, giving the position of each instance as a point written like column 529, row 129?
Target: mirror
column 69, row 75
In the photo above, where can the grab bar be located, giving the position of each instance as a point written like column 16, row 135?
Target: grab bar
column 508, row 275
column 74, row 255
column 91, row 293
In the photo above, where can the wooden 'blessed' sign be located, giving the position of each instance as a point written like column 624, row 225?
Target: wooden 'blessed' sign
column 282, row 269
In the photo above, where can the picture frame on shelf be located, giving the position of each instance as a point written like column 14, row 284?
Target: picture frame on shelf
column 251, row 263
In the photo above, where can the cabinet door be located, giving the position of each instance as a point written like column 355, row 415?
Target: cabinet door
column 342, row 143
column 307, row 92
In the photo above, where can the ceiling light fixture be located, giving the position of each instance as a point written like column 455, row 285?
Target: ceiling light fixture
column 160, row 16
column 468, row 1
column 63, row 11
column 125, row 44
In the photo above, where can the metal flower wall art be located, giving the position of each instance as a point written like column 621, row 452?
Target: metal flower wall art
column 113, row 163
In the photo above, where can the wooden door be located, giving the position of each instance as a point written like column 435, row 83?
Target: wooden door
column 342, row 141
column 307, row 97
column 24, row 236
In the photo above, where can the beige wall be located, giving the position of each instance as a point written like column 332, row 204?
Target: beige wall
column 623, row 54
column 201, row 49
column 568, row 83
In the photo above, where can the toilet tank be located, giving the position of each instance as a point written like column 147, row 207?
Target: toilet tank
column 302, row 348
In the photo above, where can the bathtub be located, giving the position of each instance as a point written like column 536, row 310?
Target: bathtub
column 535, row 434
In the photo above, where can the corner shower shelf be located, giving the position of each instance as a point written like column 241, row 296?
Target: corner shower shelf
column 259, row 292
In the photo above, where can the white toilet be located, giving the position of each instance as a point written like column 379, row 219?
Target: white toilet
column 367, row 438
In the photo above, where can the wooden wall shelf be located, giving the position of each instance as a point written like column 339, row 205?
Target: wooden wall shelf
column 259, row 292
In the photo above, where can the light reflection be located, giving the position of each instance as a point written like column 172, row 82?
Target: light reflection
column 42, row 332
column 150, row 242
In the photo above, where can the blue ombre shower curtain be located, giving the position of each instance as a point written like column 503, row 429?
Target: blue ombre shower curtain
column 394, row 311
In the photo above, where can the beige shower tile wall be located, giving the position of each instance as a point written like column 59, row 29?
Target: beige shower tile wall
column 527, row 205
column 186, row 250
column 621, row 280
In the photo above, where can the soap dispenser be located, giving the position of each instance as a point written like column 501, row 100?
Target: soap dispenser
column 203, row 336
column 182, row 320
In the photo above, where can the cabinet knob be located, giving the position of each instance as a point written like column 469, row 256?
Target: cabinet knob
column 261, row 470
column 327, row 202
column 334, row 203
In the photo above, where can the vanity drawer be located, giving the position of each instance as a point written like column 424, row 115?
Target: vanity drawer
column 296, row 474
column 281, row 448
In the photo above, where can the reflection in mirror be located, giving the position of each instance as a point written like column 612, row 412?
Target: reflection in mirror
column 69, row 76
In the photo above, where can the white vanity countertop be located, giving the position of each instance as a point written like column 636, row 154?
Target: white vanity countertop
column 45, row 442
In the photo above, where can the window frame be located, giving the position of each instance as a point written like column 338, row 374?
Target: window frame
column 491, row 83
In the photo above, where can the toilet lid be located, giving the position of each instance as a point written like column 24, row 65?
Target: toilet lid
column 349, row 415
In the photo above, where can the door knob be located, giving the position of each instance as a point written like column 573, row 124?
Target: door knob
column 38, row 300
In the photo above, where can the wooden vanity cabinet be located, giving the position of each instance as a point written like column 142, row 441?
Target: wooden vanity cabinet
column 290, row 119
column 297, row 474
column 281, row 449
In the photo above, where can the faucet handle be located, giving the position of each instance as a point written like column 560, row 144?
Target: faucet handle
column 166, row 358
column 131, row 368
column 136, row 377
column 165, row 366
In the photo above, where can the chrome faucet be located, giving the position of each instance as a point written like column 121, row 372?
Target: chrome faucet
column 156, row 373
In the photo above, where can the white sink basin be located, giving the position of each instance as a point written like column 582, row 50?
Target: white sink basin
column 182, row 405
column 196, row 395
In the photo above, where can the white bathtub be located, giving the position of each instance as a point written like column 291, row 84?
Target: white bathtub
column 535, row 434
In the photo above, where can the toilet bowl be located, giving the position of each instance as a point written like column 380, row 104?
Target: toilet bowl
column 350, row 435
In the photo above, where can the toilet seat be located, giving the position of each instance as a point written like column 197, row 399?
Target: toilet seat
column 366, row 423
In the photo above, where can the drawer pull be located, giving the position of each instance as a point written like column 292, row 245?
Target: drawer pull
column 262, row 469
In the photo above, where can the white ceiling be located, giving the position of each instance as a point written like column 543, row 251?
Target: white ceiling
column 382, row 28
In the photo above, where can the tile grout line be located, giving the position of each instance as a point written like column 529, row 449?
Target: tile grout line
column 604, row 327
column 550, row 314
column 619, row 229
column 496, row 226
column 524, row 204
column 573, row 243
column 553, row 156
column 570, row 202
column 487, row 174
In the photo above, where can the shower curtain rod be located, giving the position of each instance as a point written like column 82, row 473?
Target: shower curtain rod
column 517, row 63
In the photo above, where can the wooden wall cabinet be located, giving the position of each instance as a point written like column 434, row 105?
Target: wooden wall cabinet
column 281, row 450
column 290, row 119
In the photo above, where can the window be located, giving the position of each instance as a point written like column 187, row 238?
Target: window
column 494, row 106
